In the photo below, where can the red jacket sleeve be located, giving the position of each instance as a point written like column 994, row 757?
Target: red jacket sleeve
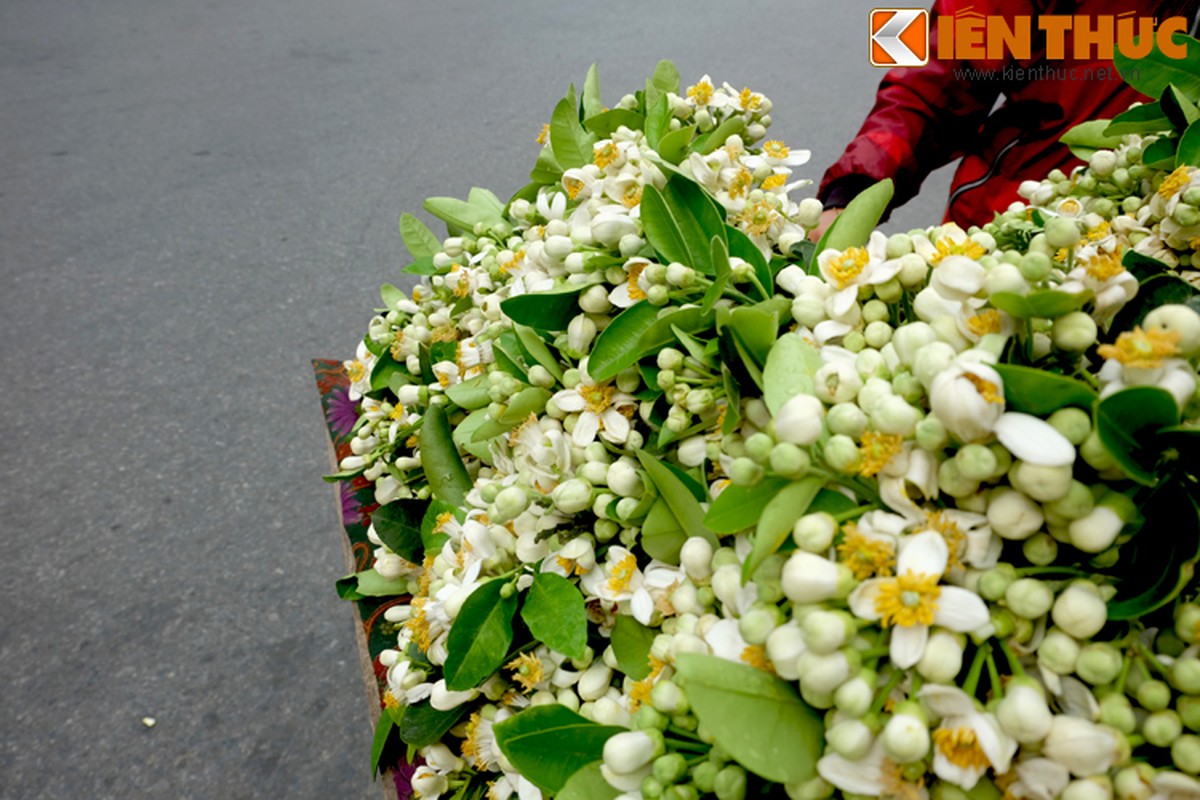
column 923, row 118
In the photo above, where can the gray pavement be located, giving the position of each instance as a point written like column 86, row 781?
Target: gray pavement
column 195, row 198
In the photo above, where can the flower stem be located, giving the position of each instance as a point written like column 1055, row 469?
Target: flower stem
column 886, row 691
column 972, row 682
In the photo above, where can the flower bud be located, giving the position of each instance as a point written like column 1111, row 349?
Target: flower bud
column 580, row 332
column 850, row 739
column 842, row 454
column 814, row 532
column 800, row 420
column 1024, row 714
column 810, row 210
column 1117, row 712
column 1044, row 484
column 789, row 461
column 1074, row 332
column 427, row 783
column 624, row 478
column 894, row 415
column 837, row 382
column 696, row 558
column 1058, row 652
column 1080, row 611
column 1013, row 515
column 1162, row 728
column 825, row 631
column 1099, row 663
column 905, row 739
column 573, row 496
column 1180, row 320
column 943, row 658
column 855, row 696
column 785, row 645
column 1185, row 675
column 809, row 578
column 1185, row 752
column 1088, row 789
column 1061, row 232
column 1153, row 695
column 823, row 673
column 730, row 783
column 1083, row 747
column 1135, row 782
column 1097, row 530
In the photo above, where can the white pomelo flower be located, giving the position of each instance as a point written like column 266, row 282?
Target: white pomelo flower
column 967, row 742
column 968, row 397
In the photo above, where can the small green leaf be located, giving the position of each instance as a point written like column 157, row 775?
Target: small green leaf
column 420, row 241
column 716, row 138
column 1157, row 567
column 778, row 518
column 791, row 365
column 546, row 170
column 1087, row 137
column 383, row 732
column 666, row 77
column 1151, row 74
column 605, row 124
column 480, row 636
column 460, row 214
column 631, row 642
column 1146, row 118
column 544, row 311
column 535, row 346
column 571, row 144
column 754, row 329
column 1142, row 266
column 743, row 247
column 444, row 469
column 422, row 266
column 738, row 507
column 423, row 725
column 530, row 400
column 657, row 120
column 754, row 716
column 1160, row 154
column 673, row 145
column 662, row 535
column 853, row 226
column 470, row 394
column 1035, row 391
column 590, row 103
column 1155, row 291
column 548, row 744
column 616, row 346
column 680, row 221
column 398, row 524
column 1048, row 303
column 722, row 271
column 1126, row 422
column 555, row 614
column 588, row 784
column 1188, row 152
column 430, row 523
column 1179, row 110
column 683, row 507
column 662, row 331
column 369, row 583
column 477, row 423
column 385, row 367
column 486, row 201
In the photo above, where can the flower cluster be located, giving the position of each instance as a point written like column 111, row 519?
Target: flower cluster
column 888, row 516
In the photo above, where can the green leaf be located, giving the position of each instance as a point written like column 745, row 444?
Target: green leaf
column 682, row 505
column 1048, row 303
column 555, row 614
column 1142, row 266
column 665, row 79
column 716, row 138
column 1146, row 118
column 722, row 271
column 385, row 367
column 1035, row 391
column 1153, row 292
column 1151, row 74
column 548, row 744
column 733, row 396
column 754, row 716
column 477, row 423
column 423, row 725
column 1160, row 154
column 695, row 348
column 422, row 266
column 605, row 124
column 460, row 214
column 398, row 524
column 1126, row 422
column 791, row 365
column 390, row 296
column 662, row 331
column 754, row 329
column 680, row 221
column 1088, row 137
column 1157, row 567
column 853, row 226
column 470, row 394
column 590, row 103
column 420, row 241
column 480, row 636
column 572, row 145
column 530, row 400
column 383, row 732
column 673, row 146
column 1179, row 110
column 369, row 583
column 443, row 466
column 430, row 535
column 662, row 535
column 616, row 346
column 743, row 247
column 535, row 346
column 1188, row 152
column 738, row 507
column 631, row 642
column 544, row 311
column 486, row 200
column 546, row 171
column 588, row 784
column 657, row 120
column 778, row 518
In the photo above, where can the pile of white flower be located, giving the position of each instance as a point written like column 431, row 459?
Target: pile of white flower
column 684, row 505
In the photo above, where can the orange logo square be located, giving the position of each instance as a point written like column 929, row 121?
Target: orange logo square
column 899, row 37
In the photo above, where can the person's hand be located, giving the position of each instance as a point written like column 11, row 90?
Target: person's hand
column 827, row 218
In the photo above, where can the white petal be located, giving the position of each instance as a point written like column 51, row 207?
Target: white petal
column 616, row 426
column 925, row 553
column 965, row 777
column 998, row 746
column 862, row 599
column 585, row 429
column 856, row 777
column 946, row 701
column 960, row 610
column 1034, row 440
column 570, row 401
column 908, row 645
column 642, row 606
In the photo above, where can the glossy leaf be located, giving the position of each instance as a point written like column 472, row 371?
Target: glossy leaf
column 662, row 535
column 1126, row 422
column 778, row 518
column 443, row 466
column 754, row 716
column 485, row 199
column 678, row 497
column 571, row 144
column 1142, row 266
column 530, row 400
column 398, row 524
column 461, row 214
column 665, row 79
column 722, row 272
column 431, row 523
column 853, row 226
column 1188, row 151
column 546, row 170
column 589, row 102
column 385, row 367
column 631, row 643
column 1087, row 137
column 1035, row 391
column 423, row 725
column 680, row 221
column 369, row 583
column 480, row 636
column 1160, row 154
column 604, row 124
column 1161, row 558
column 1179, row 110
column 548, row 744
column 717, row 137
column 383, row 732
column 544, row 311
column 657, row 120
column 555, row 614
column 470, row 394
column 673, row 146
column 662, row 331
column 588, row 784
column 743, row 247
column 536, row 348
column 420, row 241
column 477, row 423
column 791, row 365
column 1048, row 303
column 616, row 346
column 738, row 507
column 1151, row 74
column 1146, row 118
column 754, row 329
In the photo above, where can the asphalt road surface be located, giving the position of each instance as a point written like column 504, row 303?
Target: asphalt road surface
column 195, row 198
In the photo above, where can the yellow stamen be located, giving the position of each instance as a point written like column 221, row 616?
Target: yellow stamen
column 573, row 186
column 389, row 701
column 748, row 100
column 757, row 216
column 961, row 747
column 569, row 565
column 356, row 370
column 1103, row 266
column 397, row 348
column 907, row 600
column 700, row 93
column 598, row 398
column 774, row 182
column 632, row 196
column 605, row 154
column 843, row 269
column 948, row 247
column 987, row 390
column 1141, row 348
column 511, row 264
column 1070, row 207
column 939, row 521
column 397, row 412
column 445, row 333
column 622, row 574
column 756, row 656
column 776, row 149
column 544, row 134
column 1098, row 232
column 878, row 449
column 740, row 184
column 427, row 576
column 1174, row 182
column 639, row 691
column 896, row 786
column 418, row 624
column 865, row 556
column 411, row 442
column 527, row 670
column 470, row 746
column 1194, row 243
column 990, row 321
